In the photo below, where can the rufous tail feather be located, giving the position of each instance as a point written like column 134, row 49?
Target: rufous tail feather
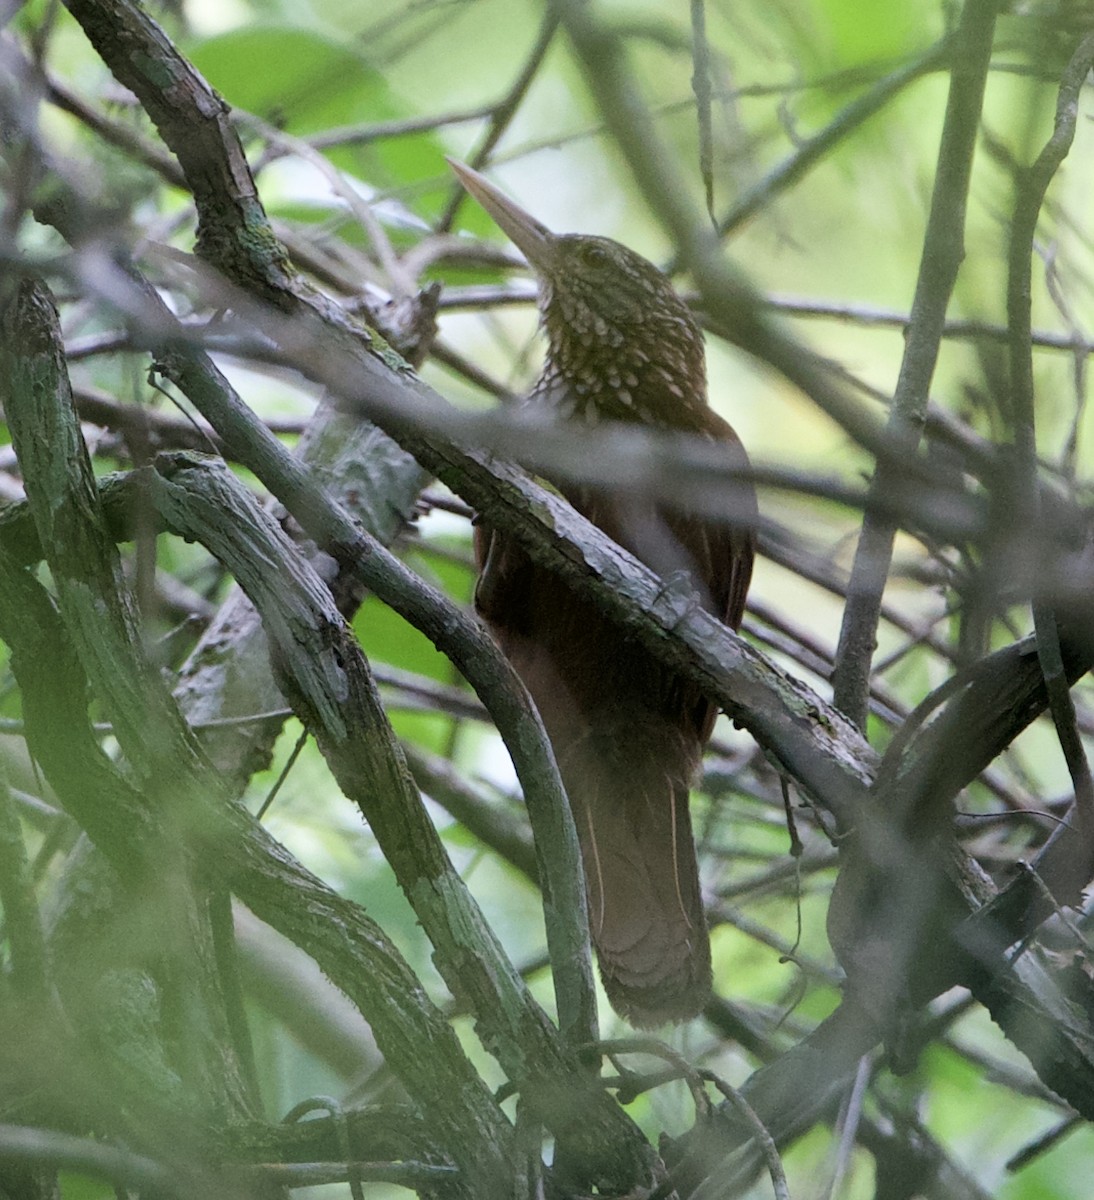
column 629, row 794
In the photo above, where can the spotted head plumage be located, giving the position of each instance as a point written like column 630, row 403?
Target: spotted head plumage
column 622, row 345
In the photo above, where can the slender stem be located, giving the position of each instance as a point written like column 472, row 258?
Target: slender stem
column 30, row 974
column 1067, row 860
column 503, row 114
column 943, row 249
column 700, row 85
column 813, row 149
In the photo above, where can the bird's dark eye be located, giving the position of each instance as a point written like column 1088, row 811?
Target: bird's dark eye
column 594, row 255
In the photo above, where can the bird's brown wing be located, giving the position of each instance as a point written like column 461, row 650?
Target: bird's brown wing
column 715, row 552
column 727, row 545
column 722, row 550
column 627, row 732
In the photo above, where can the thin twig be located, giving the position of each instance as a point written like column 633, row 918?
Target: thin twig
column 814, row 149
column 1066, row 862
column 503, row 114
column 712, row 1189
column 700, row 85
column 943, row 248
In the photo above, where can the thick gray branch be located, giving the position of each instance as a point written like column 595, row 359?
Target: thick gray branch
column 325, row 675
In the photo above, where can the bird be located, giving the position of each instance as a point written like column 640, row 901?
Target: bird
column 627, row 732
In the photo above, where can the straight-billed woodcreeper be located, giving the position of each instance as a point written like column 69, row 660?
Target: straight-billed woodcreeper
column 627, row 733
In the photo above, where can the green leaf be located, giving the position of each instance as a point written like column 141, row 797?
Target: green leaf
column 304, row 83
column 293, row 78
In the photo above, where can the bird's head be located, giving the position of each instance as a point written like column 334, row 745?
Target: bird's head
column 620, row 339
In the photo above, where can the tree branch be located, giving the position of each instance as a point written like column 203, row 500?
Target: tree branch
column 943, row 250
column 326, row 677
column 233, row 231
column 1067, row 861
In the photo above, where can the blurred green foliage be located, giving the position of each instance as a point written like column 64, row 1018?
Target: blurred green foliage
column 848, row 233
